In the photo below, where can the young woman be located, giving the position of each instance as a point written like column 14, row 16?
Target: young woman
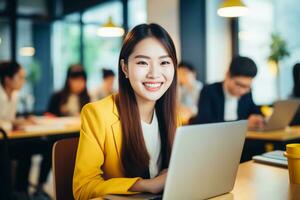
column 12, row 77
column 74, row 95
column 126, row 139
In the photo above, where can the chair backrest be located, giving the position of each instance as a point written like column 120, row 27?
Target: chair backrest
column 63, row 162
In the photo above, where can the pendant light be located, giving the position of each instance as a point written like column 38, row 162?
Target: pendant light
column 232, row 8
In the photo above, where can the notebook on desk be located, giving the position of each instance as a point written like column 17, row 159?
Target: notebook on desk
column 273, row 158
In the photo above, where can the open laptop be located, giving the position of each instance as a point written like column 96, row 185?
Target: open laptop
column 283, row 114
column 203, row 163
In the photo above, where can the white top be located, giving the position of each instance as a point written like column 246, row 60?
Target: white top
column 153, row 144
column 73, row 105
column 8, row 109
column 230, row 107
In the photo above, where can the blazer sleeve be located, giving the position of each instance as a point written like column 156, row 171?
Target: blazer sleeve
column 88, row 181
column 254, row 108
column 205, row 111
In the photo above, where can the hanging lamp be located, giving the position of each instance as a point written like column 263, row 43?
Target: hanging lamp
column 232, row 8
column 109, row 29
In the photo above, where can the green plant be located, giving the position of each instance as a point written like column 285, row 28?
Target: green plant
column 34, row 73
column 278, row 48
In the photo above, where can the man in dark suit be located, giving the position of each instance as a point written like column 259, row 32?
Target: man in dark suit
column 231, row 99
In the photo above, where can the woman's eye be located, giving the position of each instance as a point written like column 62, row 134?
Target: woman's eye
column 165, row 62
column 141, row 63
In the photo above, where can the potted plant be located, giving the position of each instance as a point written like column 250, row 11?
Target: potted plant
column 278, row 51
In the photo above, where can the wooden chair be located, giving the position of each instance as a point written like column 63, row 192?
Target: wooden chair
column 63, row 162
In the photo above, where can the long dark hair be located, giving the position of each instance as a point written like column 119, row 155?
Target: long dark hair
column 134, row 155
column 296, row 76
column 74, row 71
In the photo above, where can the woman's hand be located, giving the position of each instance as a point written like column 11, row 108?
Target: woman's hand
column 154, row 185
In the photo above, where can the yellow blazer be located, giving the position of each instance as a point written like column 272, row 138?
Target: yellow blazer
column 98, row 163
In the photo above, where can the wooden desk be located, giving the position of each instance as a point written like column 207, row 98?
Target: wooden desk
column 259, row 142
column 47, row 127
column 290, row 133
column 260, row 182
column 51, row 129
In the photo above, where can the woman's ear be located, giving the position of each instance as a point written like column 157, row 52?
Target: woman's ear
column 124, row 67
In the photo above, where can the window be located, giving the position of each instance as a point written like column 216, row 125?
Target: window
column 25, row 56
column 137, row 12
column 65, row 50
column 265, row 18
column 4, row 40
column 101, row 52
column 29, row 7
column 2, row 5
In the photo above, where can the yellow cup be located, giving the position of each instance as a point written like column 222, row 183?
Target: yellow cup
column 293, row 155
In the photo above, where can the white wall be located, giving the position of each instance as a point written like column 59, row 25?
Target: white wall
column 166, row 13
column 218, row 44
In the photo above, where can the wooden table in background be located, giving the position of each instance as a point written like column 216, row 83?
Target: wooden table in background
column 47, row 127
column 259, row 142
column 50, row 129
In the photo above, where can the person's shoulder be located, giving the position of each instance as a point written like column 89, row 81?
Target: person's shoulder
column 104, row 106
column 213, row 87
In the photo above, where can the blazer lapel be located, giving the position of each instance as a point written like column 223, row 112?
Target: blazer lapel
column 117, row 130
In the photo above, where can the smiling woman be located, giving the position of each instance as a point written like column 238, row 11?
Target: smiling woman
column 127, row 137
column 150, row 70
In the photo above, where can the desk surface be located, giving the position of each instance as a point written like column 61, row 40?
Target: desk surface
column 290, row 133
column 260, row 182
column 48, row 126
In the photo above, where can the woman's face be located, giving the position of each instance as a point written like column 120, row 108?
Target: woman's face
column 17, row 81
column 150, row 70
column 77, row 85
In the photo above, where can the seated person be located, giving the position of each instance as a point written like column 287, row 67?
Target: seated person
column 188, row 91
column 12, row 77
column 125, row 139
column 296, row 93
column 74, row 95
column 231, row 99
column 107, row 86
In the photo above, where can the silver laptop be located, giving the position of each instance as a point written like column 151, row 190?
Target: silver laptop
column 283, row 114
column 203, row 163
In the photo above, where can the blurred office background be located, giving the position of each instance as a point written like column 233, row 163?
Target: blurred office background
column 46, row 36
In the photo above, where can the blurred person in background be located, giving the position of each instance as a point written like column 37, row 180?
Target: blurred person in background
column 12, row 77
column 107, row 86
column 231, row 99
column 189, row 89
column 296, row 92
column 74, row 95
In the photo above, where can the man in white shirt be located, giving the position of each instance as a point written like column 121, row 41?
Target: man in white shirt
column 231, row 99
